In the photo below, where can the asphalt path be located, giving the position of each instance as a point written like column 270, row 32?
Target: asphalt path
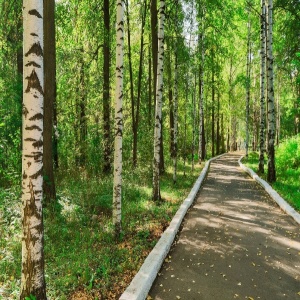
column 235, row 243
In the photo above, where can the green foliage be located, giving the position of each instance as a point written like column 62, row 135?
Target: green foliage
column 287, row 168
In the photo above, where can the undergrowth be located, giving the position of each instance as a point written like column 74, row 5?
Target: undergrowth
column 287, row 170
column 83, row 259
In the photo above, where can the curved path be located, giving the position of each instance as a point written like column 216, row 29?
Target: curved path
column 235, row 244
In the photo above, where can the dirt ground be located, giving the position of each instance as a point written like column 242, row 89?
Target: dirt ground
column 235, row 243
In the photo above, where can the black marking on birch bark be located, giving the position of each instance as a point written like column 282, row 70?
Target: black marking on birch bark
column 34, row 12
column 37, row 174
column 34, row 64
column 36, row 156
column 25, row 176
column 33, row 127
column 30, row 140
column 33, row 83
column 29, row 164
column 38, row 144
column 35, row 96
column 25, row 111
column 38, row 116
column 35, row 49
column 33, row 34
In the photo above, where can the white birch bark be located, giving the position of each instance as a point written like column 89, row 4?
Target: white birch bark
column 158, row 106
column 117, row 189
column 175, row 113
column 32, row 279
column 270, row 96
column 262, row 86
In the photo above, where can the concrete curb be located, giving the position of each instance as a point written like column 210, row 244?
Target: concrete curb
column 274, row 195
column 143, row 280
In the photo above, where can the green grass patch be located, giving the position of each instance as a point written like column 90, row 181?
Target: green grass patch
column 82, row 256
column 287, row 170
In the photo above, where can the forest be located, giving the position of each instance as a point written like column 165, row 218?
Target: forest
column 108, row 112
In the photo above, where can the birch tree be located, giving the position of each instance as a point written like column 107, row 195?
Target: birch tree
column 270, row 96
column 262, row 86
column 32, row 279
column 158, row 105
column 117, row 190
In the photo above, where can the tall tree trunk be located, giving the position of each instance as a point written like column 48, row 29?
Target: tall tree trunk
column 158, row 107
column 278, row 114
column 82, row 114
column 33, row 279
column 149, row 88
column 134, row 130
column 154, row 38
column 201, row 150
column 213, row 112
column 117, row 190
column 171, row 106
column 106, row 92
column 271, row 106
column 194, row 123
column 175, row 119
column 218, row 124
column 140, row 75
column 248, row 86
column 49, row 98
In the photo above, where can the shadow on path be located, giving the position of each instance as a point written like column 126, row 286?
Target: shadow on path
column 235, row 244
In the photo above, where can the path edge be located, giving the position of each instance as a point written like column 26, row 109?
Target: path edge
column 273, row 194
column 143, row 280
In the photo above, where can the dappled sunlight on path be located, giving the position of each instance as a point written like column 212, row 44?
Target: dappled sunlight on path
column 235, row 244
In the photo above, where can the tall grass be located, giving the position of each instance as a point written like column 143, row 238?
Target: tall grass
column 83, row 259
column 287, row 168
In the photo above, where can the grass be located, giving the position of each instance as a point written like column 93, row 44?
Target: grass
column 83, row 259
column 287, row 170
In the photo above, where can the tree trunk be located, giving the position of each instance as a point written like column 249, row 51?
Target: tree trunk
column 106, row 93
column 218, row 124
column 140, row 75
column 194, row 123
column 134, row 129
column 33, row 279
column 271, row 107
column 82, row 114
column 201, row 150
column 153, row 10
column 117, row 190
column 171, row 107
column 248, row 87
column 49, row 98
column 175, row 119
column 213, row 112
column 158, row 107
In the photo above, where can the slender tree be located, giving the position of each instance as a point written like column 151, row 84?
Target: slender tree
column 270, row 96
column 106, row 88
column 33, row 279
column 158, row 106
column 262, row 86
column 49, row 98
column 175, row 114
column 201, row 150
column 117, row 190
column 248, row 71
